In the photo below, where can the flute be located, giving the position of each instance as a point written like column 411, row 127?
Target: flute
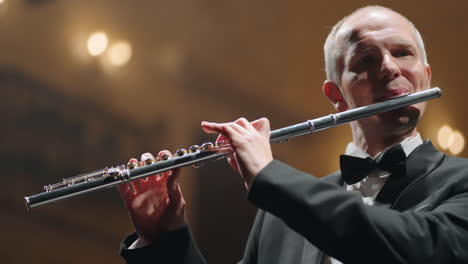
column 109, row 177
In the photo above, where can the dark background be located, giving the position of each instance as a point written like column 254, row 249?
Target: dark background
column 65, row 112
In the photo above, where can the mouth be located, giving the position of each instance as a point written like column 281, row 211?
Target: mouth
column 392, row 95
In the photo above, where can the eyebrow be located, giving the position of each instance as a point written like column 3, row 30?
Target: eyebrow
column 358, row 48
column 355, row 50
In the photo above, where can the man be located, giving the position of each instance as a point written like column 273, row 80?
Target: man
column 410, row 206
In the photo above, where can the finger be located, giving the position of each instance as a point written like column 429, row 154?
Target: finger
column 241, row 128
column 237, row 165
column 132, row 163
column 173, row 188
column 146, row 159
column 233, row 132
column 222, row 142
column 127, row 190
column 244, row 123
column 232, row 161
column 234, row 136
column 259, row 122
column 210, row 127
column 164, row 155
column 171, row 177
column 221, row 138
column 262, row 125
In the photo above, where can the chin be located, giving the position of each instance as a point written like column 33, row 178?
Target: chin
column 400, row 122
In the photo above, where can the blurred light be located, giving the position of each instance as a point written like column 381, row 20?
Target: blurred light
column 458, row 143
column 120, row 53
column 97, row 43
column 451, row 140
column 3, row 7
column 444, row 137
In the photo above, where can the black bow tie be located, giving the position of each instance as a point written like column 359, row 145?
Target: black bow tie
column 354, row 169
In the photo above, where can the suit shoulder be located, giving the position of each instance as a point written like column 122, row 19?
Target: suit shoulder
column 455, row 165
column 454, row 170
column 334, row 177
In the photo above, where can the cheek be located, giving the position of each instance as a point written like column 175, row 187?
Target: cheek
column 418, row 77
column 353, row 79
column 354, row 82
column 357, row 89
column 415, row 78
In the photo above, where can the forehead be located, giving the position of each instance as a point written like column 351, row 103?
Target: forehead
column 374, row 27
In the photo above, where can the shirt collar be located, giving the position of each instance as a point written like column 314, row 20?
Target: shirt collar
column 408, row 144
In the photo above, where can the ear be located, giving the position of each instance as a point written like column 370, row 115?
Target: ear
column 333, row 92
column 429, row 75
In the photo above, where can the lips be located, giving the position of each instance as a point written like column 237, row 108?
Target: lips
column 392, row 95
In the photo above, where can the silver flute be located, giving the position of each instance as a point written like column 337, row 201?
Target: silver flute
column 196, row 155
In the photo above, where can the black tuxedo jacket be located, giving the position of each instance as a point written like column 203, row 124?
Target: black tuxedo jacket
column 303, row 219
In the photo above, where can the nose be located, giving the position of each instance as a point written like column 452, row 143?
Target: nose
column 389, row 69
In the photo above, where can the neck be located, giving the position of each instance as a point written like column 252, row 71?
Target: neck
column 374, row 143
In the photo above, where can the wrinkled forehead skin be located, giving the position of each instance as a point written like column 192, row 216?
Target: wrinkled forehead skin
column 366, row 23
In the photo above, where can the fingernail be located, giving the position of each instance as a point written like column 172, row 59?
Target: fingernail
column 165, row 156
column 181, row 152
column 147, row 158
column 132, row 163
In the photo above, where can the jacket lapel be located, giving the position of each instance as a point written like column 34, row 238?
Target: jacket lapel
column 419, row 164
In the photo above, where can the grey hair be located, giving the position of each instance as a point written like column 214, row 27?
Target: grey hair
column 332, row 52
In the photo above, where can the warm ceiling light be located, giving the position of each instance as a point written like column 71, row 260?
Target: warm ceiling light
column 97, row 43
column 444, row 137
column 2, row 1
column 458, row 143
column 120, row 53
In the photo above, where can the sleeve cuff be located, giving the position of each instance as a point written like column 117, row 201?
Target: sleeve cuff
column 172, row 247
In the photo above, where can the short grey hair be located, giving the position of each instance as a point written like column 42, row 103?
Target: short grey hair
column 332, row 52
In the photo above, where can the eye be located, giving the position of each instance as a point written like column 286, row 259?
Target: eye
column 401, row 53
column 368, row 59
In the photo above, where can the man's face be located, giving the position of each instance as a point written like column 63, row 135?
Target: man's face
column 381, row 60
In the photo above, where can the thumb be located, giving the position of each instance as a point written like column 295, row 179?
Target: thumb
column 173, row 189
column 237, row 165
column 232, row 161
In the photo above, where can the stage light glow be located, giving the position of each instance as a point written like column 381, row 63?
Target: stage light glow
column 458, row 143
column 97, row 43
column 120, row 53
column 451, row 140
column 2, row 1
column 444, row 137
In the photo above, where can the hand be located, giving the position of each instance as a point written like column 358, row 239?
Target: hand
column 250, row 142
column 155, row 204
